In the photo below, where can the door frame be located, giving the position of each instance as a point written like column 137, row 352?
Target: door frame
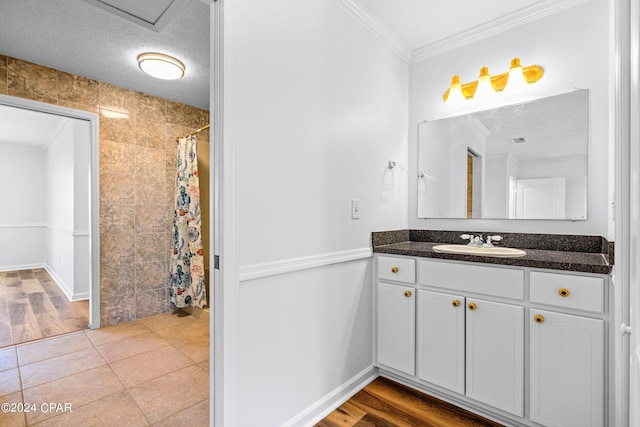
column 225, row 331
column 94, row 186
column 634, row 217
column 621, row 128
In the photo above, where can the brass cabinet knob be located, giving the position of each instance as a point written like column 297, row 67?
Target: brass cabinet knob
column 538, row 318
column 455, row 303
column 407, row 294
column 472, row 306
column 563, row 292
column 394, row 270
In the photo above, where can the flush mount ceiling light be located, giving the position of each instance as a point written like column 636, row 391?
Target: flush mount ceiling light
column 516, row 78
column 161, row 66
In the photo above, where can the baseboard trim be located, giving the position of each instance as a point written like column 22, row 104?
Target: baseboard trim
column 21, row 267
column 323, row 407
column 63, row 286
column 257, row 271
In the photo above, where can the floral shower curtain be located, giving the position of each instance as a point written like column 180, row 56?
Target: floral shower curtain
column 187, row 260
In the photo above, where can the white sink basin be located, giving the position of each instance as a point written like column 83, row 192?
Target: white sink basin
column 482, row 251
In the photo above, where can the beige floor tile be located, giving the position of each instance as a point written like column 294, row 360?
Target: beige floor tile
column 157, row 397
column 58, row 367
column 76, row 390
column 115, row 410
column 52, row 347
column 8, row 358
column 117, row 332
column 182, row 332
column 152, row 364
column 132, row 346
column 196, row 348
column 195, row 416
column 15, row 418
column 166, row 320
column 9, row 381
column 204, row 365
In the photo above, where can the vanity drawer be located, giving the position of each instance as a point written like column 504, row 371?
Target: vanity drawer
column 565, row 290
column 501, row 282
column 397, row 269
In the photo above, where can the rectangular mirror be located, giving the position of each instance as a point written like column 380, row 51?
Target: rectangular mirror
column 522, row 161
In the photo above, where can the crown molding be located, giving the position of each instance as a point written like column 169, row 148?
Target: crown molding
column 375, row 27
column 493, row 27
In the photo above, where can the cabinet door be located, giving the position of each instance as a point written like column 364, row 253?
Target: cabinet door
column 440, row 339
column 495, row 354
column 396, row 325
column 567, row 370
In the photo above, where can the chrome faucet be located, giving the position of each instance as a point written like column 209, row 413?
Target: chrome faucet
column 491, row 239
column 473, row 240
column 478, row 241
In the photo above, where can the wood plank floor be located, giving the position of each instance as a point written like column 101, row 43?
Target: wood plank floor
column 32, row 306
column 387, row 403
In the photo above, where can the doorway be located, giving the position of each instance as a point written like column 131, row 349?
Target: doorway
column 53, row 261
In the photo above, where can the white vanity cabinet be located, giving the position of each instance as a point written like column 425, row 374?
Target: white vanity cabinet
column 567, row 366
column 484, row 337
column 396, row 315
column 483, row 348
column 441, row 339
column 480, row 335
column 495, row 354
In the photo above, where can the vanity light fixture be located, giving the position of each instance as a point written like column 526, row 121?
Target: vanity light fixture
column 518, row 76
column 161, row 66
column 484, row 87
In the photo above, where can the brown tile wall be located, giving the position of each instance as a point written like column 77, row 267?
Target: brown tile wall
column 137, row 164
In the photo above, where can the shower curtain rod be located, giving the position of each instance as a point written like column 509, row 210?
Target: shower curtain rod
column 194, row 132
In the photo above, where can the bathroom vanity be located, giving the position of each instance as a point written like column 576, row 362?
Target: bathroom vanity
column 523, row 340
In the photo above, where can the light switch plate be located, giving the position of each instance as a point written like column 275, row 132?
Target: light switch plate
column 355, row 209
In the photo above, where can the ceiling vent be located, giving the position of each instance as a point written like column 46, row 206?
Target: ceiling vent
column 152, row 14
column 520, row 140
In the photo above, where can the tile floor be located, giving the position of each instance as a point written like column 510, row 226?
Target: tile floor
column 152, row 371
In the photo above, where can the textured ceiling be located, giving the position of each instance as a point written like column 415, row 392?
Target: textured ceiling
column 78, row 37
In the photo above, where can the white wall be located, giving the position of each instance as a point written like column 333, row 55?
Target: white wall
column 68, row 169
column 322, row 108
column 22, row 206
column 572, row 47
column 59, row 258
column 82, row 211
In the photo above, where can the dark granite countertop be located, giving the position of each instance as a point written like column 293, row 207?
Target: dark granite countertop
column 587, row 254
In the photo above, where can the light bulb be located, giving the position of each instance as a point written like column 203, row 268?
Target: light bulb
column 484, row 88
column 516, row 81
column 455, row 91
